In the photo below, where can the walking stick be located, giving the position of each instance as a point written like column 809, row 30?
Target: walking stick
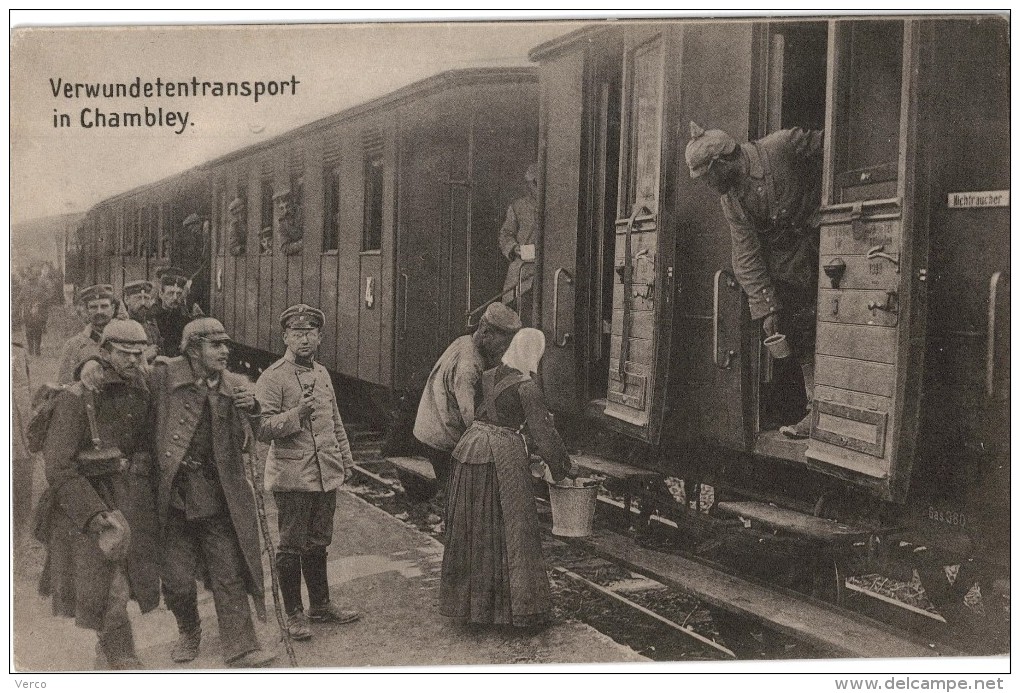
column 260, row 505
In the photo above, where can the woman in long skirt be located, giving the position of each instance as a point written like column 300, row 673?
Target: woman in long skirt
column 493, row 569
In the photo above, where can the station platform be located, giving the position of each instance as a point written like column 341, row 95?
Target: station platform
column 378, row 565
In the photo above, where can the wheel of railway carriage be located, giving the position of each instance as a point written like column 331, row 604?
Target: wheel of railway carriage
column 830, row 581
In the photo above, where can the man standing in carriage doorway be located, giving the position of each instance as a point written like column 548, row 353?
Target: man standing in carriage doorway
column 518, row 238
column 309, row 459
column 771, row 191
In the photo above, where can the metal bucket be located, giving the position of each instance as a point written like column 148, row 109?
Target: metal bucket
column 573, row 510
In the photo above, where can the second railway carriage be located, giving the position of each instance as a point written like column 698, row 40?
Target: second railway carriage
column 385, row 216
column 132, row 235
column 653, row 358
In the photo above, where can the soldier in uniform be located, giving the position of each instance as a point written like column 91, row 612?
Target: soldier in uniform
column 447, row 405
column 205, row 504
column 517, row 241
column 170, row 313
column 771, row 191
column 309, row 459
column 96, row 557
column 99, row 306
column 138, row 299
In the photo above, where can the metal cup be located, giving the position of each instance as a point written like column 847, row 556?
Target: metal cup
column 778, row 346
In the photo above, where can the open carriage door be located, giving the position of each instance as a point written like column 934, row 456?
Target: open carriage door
column 643, row 264
column 871, row 296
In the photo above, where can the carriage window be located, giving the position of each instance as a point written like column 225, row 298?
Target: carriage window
column 266, row 223
column 644, row 144
column 867, row 109
column 331, row 228
column 371, row 238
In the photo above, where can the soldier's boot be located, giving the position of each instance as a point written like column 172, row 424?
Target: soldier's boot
column 802, row 429
column 321, row 609
column 118, row 646
column 189, row 640
column 288, row 568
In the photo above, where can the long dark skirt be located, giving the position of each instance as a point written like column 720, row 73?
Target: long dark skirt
column 493, row 569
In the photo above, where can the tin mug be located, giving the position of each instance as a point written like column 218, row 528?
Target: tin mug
column 778, row 346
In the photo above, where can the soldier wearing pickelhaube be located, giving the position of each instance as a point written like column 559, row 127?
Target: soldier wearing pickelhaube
column 309, row 459
column 98, row 306
column 205, row 506
column 101, row 549
column 771, row 191
column 138, row 299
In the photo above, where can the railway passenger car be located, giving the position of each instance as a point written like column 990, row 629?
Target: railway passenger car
column 132, row 235
column 385, row 216
column 653, row 358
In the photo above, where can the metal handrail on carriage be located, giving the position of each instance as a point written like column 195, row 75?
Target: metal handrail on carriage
column 499, row 297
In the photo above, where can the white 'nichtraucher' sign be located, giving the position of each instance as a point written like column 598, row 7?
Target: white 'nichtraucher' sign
column 984, row 198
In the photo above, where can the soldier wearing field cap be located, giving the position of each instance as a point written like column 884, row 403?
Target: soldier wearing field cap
column 138, row 299
column 447, row 405
column 170, row 312
column 771, row 191
column 98, row 306
column 309, row 458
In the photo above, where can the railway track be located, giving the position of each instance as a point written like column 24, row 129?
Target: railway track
column 719, row 615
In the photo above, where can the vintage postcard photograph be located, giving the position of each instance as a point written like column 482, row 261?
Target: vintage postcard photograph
column 671, row 343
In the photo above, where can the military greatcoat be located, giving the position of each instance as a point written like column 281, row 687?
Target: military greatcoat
column 179, row 402
column 77, row 574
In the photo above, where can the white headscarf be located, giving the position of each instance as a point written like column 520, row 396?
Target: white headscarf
column 525, row 350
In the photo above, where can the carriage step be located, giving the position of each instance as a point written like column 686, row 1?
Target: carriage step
column 416, row 466
column 808, row 526
column 616, row 470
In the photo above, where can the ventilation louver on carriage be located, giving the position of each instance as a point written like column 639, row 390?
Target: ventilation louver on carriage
column 372, row 141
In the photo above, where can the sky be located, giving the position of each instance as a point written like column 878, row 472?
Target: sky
column 57, row 170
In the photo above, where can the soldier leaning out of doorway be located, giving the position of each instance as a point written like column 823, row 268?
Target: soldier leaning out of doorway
column 771, row 191
column 517, row 241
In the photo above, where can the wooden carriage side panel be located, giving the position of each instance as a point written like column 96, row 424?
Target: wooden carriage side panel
column 348, row 266
column 327, row 303
column 302, row 160
column 376, row 140
column 561, row 112
column 710, row 374
column 384, row 298
column 281, row 158
column 422, row 215
column 314, row 219
column 260, row 284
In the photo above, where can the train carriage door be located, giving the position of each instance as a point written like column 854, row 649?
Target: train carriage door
column 560, row 127
column 642, row 282
column 873, row 260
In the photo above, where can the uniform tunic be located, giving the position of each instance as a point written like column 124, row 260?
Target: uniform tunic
column 305, row 454
column 447, row 405
column 493, row 569
column 78, row 348
column 180, row 398
column 170, row 324
column 519, row 228
column 772, row 217
column 82, row 581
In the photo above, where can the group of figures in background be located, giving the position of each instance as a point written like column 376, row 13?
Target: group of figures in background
column 35, row 289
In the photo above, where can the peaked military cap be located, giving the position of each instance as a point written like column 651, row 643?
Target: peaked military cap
column 125, row 335
column 704, row 147
column 302, row 317
column 502, row 318
column 172, row 276
column 95, row 293
column 206, row 329
column 137, row 287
